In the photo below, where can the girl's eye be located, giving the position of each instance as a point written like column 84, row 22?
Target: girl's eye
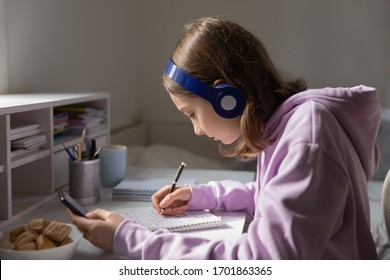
column 192, row 115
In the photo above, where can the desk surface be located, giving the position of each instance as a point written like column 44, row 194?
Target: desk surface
column 231, row 230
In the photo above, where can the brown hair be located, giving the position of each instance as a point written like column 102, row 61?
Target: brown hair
column 215, row 48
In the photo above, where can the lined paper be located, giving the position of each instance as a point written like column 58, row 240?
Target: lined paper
column 190, row 220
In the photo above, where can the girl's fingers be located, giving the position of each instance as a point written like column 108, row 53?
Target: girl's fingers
column 158, row 196
column 174, row 211
column 180, row 194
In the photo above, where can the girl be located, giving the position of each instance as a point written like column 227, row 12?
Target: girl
column 315, row 152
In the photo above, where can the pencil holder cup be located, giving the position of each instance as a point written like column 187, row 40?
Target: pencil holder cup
column 113, row 160
column 84, row 181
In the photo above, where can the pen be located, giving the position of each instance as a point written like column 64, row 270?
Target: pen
column 93, row 148
column 88, row 148
column 97, row 153
column 74, row 151
column 69, row 153
column 177, row 176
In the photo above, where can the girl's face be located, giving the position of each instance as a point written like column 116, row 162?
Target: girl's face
column 206, row 121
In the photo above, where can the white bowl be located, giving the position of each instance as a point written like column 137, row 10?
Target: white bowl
column 64, row 252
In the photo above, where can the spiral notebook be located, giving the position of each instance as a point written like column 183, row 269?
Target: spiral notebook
column 190, row 220
column 141, row 190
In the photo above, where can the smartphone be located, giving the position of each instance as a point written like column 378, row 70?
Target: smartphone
column 72, row 204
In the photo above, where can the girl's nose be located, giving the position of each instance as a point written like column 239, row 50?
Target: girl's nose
column 198, row 131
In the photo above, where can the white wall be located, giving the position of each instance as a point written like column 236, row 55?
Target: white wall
column 75, row 45
column 330, row 43
column 122, row 46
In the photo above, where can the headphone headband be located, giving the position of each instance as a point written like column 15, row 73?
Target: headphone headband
column 188, row 82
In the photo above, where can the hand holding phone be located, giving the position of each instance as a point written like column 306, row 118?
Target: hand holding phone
column 72, row 204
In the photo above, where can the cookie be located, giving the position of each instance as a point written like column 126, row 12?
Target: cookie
column 44, row 242
column 25, row 237
column 38, row 225
column 15, row 233
column 26, row 246
column 57, row 231
column 6, row 244
column 67, row 240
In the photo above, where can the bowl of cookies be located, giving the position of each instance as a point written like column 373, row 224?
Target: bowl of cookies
column 40, row 240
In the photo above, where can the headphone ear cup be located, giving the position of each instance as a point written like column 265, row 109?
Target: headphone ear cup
column 229, row 101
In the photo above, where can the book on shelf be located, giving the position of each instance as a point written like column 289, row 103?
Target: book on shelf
column 29, row 142
column 79, row 118
column 20, row 152
column 85, row 122
column 189, row 220
column 24, row 129
column 25, row 134
column 80, row 110
column 85, row 119
column 60, row 124
column 141, row 190
column 58, row 128
column 89, row 130
column 20, row 127
column 60, row 117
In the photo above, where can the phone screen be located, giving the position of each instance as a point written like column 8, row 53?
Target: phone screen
column 72, row 204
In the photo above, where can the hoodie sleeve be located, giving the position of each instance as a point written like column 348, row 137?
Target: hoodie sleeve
column 228, row 195
column 135, row 241
column 288, row 215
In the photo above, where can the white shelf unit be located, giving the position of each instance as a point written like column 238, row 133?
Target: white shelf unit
column 30, row 180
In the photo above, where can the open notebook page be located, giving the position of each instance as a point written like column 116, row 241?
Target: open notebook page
column 190, row 220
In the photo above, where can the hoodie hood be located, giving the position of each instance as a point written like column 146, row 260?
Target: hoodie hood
column 357, row 109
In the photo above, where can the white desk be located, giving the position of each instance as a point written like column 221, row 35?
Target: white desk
column 231, row 230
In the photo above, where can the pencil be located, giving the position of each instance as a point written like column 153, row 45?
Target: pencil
column 175, row 179
column 78, row 151
column 82, row 140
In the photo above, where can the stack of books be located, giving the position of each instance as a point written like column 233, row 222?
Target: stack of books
column 25, row 138
column 60, row 124
column 92, row 119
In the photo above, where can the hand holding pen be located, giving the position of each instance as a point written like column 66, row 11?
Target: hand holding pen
column 176, row 178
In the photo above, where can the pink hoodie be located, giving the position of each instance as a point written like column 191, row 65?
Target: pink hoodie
column 310, row 198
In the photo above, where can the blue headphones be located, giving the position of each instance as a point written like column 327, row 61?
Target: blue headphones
column 227, row 101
